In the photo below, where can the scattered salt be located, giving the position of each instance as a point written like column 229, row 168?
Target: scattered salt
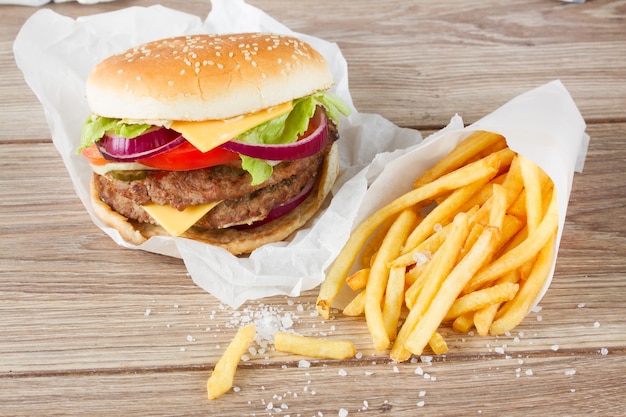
column 422, row 393
column 419, row 371
column 342, row 412
column 421, row 403
column 555, row 347
column 147, row 312
column 604, row 351
column 596, row 324
column 570, row 372
column 537, row 309
column 395, row 369
column 581, row 305
column 529, row 372
column 342, row 372
column 304, row 364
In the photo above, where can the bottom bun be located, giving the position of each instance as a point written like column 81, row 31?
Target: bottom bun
column 236, row 241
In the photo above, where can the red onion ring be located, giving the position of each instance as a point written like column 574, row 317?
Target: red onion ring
column 118, row 148
column 310, row 144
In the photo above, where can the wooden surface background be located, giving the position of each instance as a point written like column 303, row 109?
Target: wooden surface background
column 90, row 328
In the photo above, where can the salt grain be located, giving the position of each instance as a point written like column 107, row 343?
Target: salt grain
column 342, row 372
column 604, row 351
column 420, row 404
column 570, row 372
column 555, row 347
column 596, row 324
column 304, row 364
column 342, row 412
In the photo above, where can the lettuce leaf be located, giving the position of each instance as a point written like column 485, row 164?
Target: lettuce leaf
column 95, row 127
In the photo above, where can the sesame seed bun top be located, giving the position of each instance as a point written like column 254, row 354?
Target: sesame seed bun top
column 205, row 77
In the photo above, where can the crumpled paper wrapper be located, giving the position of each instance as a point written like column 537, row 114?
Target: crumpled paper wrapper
column 373, row 150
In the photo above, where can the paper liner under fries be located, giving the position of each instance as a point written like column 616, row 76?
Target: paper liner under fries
column 540, row 123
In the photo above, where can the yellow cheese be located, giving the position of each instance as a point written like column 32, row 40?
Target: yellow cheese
column 176, row 222
column 210, row 134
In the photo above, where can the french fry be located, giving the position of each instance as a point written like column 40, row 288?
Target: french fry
column 394, row 299
column 464, row 151
column 521, row 253
column 439, row 267
column 314, row 347
column 356, row 307
column 485, row 316
column 514, row 311
column 221, row 379
column 498, row 206
column 371, row 247
column 476, row 300
column 358, row 280
column 379, row 273
column 483, row 168
column 438, row 344
column 464, row 323
column 531, row 175
column 450, row 289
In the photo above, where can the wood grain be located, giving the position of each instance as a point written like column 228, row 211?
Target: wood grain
column 90, row 328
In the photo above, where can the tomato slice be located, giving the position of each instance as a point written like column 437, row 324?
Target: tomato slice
column 183, row 157
column 94, row 156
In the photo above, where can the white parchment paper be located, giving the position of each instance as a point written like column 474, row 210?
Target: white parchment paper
column 56, row 53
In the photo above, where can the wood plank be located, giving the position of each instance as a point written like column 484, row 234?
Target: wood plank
column 563, row 385
column 421, row 62
column 70, row 294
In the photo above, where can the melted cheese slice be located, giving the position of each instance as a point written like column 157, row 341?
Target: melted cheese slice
column 176, row 222
column 210, row 134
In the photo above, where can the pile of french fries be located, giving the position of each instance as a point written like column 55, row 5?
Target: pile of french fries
column 472, row 244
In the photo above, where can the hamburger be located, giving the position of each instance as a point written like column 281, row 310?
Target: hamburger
column 229, row 140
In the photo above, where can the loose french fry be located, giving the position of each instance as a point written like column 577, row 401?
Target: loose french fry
column 521, row 253
column 394, row 299
column 513, row 312
column 476, row 300
column 439, row 267
column 483, row 168
column 379, row 273
column 356, row 307
column 450, row 289
column 358, row 280
column 485, row 316
column 438, row 344
column 468, row 148
column 314, row 347
column 221, row 380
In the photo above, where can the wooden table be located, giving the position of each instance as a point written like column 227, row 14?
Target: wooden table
column 90, row 328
